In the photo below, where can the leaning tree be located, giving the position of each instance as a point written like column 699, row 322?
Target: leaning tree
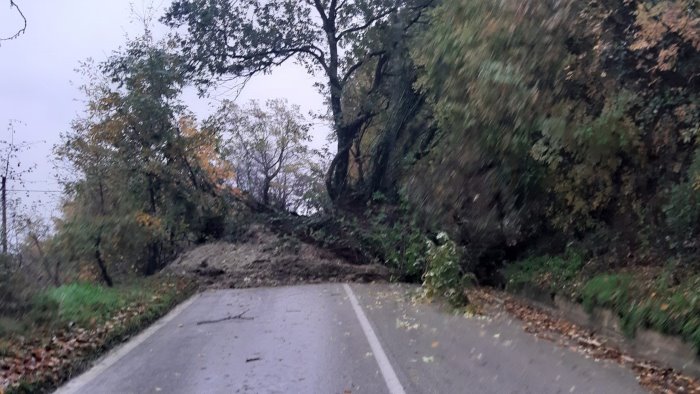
column 243, row 38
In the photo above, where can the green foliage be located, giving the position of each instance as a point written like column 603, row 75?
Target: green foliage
column 443, row 276
column 148, row 180
column 660, row 305
column 401, row 246
column 561, row 118
column 553, row 273
column 82, row 303
column 683, row 211
column 407, row 254
column 87, row 305
column 583, row 160
column 607, row 290
column 268, row 148
column 683, row 208
column 666, row 303
column 342, row 41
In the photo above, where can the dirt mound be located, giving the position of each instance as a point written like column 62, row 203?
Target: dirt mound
column 265, row 259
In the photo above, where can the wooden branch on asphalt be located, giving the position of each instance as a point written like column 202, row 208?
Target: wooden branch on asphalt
column 239, row 316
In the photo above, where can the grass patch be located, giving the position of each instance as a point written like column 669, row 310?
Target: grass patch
column 87, row 304
column 666, row 300
column 552, row 273
column 669, row 308
column 109, row 314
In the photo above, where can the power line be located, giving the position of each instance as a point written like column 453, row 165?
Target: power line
column 25, row 181
column 34, row 191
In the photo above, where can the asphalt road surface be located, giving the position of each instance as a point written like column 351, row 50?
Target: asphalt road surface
column 342, row 339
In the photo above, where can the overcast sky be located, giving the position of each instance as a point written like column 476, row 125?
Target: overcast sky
column 38, row 82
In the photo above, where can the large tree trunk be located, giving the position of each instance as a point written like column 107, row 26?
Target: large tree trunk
column 266, row 192
column 340, row 178
column 152, row 264
column 100, row 262
column 337, row 177
column 404, row 108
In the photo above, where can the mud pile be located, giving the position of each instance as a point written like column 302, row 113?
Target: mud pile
column 263, row 258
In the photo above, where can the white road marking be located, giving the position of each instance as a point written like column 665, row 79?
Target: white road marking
column 111, row 358
column 390, row 378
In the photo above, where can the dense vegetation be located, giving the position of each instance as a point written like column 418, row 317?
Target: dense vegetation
column 529, row 143
column 580, row 121
column 533, row 129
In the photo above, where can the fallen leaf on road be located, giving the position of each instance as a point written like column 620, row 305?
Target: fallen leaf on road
column 652, row 376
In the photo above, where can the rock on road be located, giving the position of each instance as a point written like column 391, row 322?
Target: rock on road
column 340, row 339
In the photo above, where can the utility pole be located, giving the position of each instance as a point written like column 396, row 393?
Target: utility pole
column 4, row 214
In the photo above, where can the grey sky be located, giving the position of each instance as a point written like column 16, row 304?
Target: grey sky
column 38, row 82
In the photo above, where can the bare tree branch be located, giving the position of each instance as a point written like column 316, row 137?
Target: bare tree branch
column 24, row 21
column 367, row 24
column 351, row 70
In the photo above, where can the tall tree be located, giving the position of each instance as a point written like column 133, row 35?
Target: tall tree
column 148, row 179
column 248, row 37
column 268, row 148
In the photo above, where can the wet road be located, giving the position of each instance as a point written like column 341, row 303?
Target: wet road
column 340, row 339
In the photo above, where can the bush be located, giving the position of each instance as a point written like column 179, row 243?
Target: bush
column 444, row 276
column 556, row 274
column 606, row 290
column 683, row 208
column 673, row 310
column 402, row 247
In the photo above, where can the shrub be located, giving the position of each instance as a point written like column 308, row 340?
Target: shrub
column 403, row 248
column 444, row 276
column 607, row 291
column 683, row 208
column 554, row 273
column 673, row 310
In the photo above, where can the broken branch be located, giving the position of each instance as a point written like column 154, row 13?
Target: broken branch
column 240, row 316
column 23, row 29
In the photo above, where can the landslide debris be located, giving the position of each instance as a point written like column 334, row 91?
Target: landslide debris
column 261, row 258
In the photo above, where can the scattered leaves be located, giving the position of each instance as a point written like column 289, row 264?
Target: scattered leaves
column 46, row 358
column 651, row 375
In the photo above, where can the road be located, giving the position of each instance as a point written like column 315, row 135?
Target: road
column 340, row 339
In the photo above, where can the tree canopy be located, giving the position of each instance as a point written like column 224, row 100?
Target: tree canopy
column 147, row 179
column 243, row 38
column 267, row 146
